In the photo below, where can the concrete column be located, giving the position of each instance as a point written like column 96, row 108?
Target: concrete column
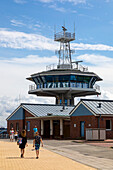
column 68, row 102
column 61, row 127
column 42, row 127
column 51, row 127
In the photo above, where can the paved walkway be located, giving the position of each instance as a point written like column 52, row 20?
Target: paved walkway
column 10, row 159
column 96, row 154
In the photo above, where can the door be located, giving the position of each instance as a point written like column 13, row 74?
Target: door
column 56, row 129
column 82, row 129
column 46, row 128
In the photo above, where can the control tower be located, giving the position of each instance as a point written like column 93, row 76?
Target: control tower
column 69, row 79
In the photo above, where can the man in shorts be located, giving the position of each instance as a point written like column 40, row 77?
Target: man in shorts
column 36, row 143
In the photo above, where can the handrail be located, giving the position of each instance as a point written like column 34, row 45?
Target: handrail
column 64, row 85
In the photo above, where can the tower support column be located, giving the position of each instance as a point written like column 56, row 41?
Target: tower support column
column 61, row 128
column 51, row 128
column 42, row 127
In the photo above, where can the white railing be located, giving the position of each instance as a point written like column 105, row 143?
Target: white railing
column 32, row 87
column 67, row 35
column 4, row 136
column 64, row 85
column 96, row 87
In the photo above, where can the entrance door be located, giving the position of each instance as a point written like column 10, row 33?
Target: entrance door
column 46, row 128
column 82, row 128
column 56, row 128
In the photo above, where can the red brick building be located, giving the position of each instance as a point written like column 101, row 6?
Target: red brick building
column 90, row 113
column 52, row 121
column 56, row 121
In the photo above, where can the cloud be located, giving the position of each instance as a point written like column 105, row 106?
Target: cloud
column 17, row 23
column 101, row 65
column 75, row 2
column 8, row 104
column 21, row 40
column 95, row 59
column 31, row 59
column 96, row 47
column 60, row 9
column 20, row 1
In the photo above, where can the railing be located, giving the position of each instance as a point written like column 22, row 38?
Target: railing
column 64, row 85
column 61, row 35
column 4, row 136
column 96, row 87
column 32, row 87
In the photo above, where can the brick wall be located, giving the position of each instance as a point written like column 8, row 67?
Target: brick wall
column 33, row 122
column 75, row 131
column 14, row 125
column 109, row 133
column 93, row 121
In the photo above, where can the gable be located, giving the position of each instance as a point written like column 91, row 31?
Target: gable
column 82, row 111
column 18, row 115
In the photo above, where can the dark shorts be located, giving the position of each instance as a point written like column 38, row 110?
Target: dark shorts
column 37, row 146
column 21, row 146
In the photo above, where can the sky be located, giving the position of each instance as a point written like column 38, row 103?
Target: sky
column 27, row 44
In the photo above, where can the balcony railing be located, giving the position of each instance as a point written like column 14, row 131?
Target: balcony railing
column 64, row 85
column 67, row 35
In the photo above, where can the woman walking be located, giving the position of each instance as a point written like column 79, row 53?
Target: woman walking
column 23, row 142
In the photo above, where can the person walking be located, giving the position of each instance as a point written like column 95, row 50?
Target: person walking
column 23, row 142
column 36, row 143
column 11, row 134
column 16, row 135
column 35, row 130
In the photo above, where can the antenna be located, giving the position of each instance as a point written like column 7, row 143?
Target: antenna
column 54, row 29
column 64, row 52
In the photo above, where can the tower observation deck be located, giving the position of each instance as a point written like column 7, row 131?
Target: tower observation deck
column 69, row 79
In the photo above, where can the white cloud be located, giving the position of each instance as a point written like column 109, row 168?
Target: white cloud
column 32, row 59
column 71, row 1
column 8, row 104
column 98, row 47
column 20, row 1
column 103, row 66
column 60, row 9
column 74, row 1
column 17, row 23
column 21, row 40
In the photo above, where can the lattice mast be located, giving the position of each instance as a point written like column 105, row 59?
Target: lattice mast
column 64, row 38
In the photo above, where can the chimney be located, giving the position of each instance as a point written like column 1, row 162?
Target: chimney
column 99, row 105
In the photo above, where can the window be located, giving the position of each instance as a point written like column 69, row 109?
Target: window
column 17, row 126
column 28, row 125
column 108, row 125
column 11, row 126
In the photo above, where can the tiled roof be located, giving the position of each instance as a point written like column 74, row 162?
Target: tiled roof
column 40, row 110
column 103, row 107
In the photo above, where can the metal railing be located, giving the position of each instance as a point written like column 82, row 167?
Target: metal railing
column 67, row 35
column 64, row 85
column 96, row 87
column 4, row 136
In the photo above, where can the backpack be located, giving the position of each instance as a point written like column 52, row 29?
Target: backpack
column 37, row 140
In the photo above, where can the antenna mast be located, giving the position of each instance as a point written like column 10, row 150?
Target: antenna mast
column 64, row 38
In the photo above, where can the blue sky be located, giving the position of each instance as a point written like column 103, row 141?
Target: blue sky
column 27, row 45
